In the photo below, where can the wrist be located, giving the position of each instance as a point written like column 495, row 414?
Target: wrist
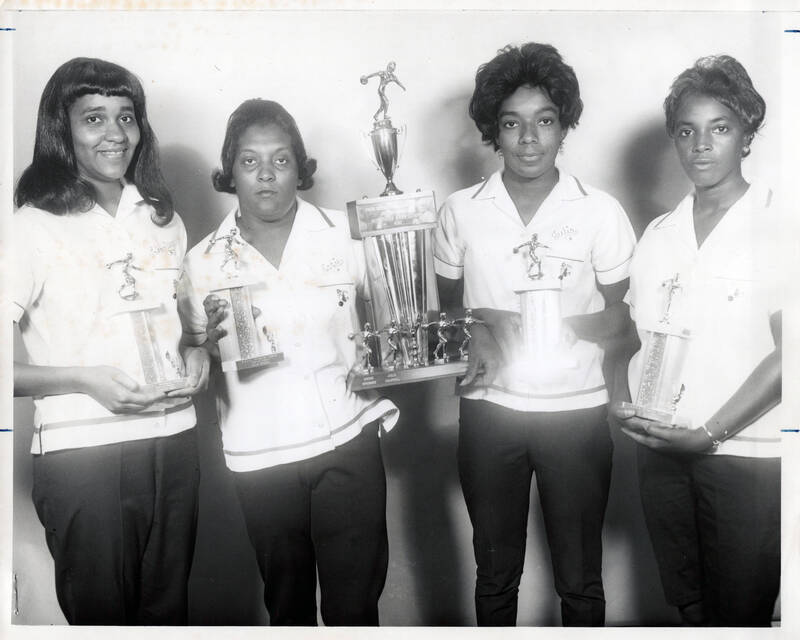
column 715, row 442
column 81, row 377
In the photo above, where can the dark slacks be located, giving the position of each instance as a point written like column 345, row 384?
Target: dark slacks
column 120, row 522
column 714, row 522
column 326, row 514
column 570, row 452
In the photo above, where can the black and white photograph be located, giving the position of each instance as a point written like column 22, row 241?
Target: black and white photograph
column 419, row 318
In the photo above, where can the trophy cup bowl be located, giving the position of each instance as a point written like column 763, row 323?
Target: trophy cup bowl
column 386, row 151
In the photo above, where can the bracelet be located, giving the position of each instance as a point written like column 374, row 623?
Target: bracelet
column 714, row 442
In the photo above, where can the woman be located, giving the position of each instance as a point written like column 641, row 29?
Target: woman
column 303, row 449
column 115, row 460
column 711, row 492
column 519, row 416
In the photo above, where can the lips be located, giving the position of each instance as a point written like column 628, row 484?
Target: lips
column 702, row 162
column 113, row 154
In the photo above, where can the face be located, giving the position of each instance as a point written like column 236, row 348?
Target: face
column 709, row 139
column 104, row 136
column 529, row 134
column 265, row 172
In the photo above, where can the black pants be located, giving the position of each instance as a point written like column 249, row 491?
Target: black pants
column 326, row 514
column 715, row 526
column 120, row 522
column 570, row 452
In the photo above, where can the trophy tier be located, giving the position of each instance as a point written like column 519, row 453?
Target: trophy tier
column 391, row 214
column 252, row 363
column 358, row 381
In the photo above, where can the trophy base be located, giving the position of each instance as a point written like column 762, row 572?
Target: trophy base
column 165, row 385
column 358, row 381
column 657, row 415
column 252, row 363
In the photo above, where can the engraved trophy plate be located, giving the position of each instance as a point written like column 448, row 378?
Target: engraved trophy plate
column 544, row 353
column 247, row 343
column 162, row 370
column 663, row 355
column 397, row 233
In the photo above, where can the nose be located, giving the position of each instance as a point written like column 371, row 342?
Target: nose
column 702, row 141
column 527, row 134
column 115, row 132
column 266, row 174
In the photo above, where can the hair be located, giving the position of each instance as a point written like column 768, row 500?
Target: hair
column 261, row 112
column 725, row 80
column 52, row 181
column 533, row 64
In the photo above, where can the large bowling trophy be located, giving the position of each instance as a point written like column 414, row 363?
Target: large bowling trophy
column 245, row 345
column 162, row 369
column 544, row 355
column 664, row 352
column 396, row 230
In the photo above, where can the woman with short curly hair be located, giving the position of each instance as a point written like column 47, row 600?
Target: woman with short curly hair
column 531, row 222
column 711, row 490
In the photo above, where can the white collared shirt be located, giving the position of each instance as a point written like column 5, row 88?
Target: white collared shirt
column 299, row 407
column 730, row 286
column 584, row 229
column 67, row 304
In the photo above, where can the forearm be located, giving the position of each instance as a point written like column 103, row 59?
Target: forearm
column 759, row 393
column 35, row 380
column 611, row 322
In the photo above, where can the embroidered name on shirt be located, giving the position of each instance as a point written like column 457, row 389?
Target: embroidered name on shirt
column 566, row 231
column 335, row 264
column 168, row 247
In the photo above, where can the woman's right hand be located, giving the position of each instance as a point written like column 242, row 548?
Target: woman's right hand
column 116, row 391
column 215, row 309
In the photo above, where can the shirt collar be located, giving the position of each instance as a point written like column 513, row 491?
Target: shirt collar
column 308, row 218
column 568, row 187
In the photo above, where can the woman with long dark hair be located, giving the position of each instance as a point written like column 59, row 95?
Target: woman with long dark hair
column 115, row 459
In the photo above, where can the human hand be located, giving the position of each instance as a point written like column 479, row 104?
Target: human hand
column 197, row 363
column 216, row 310
column 659, row 435
column 485, row 358
column 115, row 390
column 505, row 327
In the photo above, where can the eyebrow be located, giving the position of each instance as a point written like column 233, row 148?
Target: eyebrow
column 102, row 109
column 689, row 122
column 541, row 111
column 249, row 150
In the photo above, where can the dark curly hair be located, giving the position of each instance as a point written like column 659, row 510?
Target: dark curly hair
column 534, row 64
column 261, row 112
column 725, row 80
column 52, row 182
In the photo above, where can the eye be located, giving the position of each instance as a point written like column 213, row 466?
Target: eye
column 684, row 133
column 721, row 128
column 509, row 124
column 247, row 161
column 127, row 119
column 545, row 122
column 281, row 161
column 93, row 119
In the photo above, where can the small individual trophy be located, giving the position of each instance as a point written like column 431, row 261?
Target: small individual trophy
column 244, row 346
column 664, row 352
column 397, row 231
column 466, row 327
column 544, row 351
column 162, row 369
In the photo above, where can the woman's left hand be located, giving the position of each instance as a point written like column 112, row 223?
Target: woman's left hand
column 659, row 435
column 197, row 363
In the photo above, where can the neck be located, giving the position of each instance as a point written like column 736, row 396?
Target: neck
column 530, row 187
column 252, row 225
column 719, row 197
column 108, row 195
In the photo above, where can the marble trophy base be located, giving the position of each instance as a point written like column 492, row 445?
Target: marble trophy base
column 359, row 380
column 657, row 415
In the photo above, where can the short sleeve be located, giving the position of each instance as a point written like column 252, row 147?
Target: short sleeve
column 190, row 309
column 29, row 264
column 448, row 246
column 614, row 243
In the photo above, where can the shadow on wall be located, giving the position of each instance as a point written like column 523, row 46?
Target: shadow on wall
column 459, row 157
column 188, row 176
column 653, row 180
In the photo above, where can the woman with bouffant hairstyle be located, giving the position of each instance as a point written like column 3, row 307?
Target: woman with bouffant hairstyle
column 711, row 490
column 521, row 416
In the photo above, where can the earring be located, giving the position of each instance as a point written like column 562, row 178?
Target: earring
column 745, row 150
column 499, row 153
